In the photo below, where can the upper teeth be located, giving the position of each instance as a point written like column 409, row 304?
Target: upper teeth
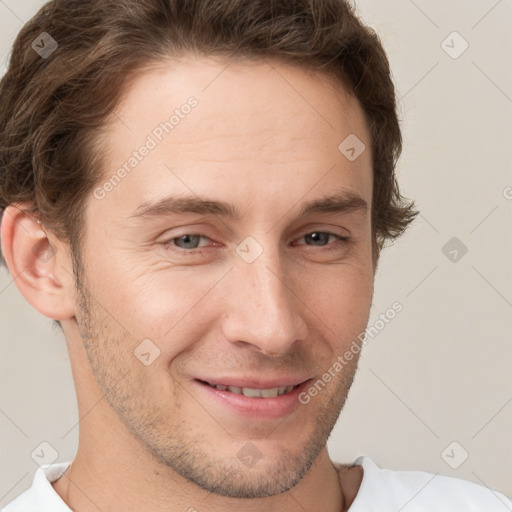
column 255, row 393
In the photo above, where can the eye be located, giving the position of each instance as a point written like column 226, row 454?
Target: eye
column 191, row 242
column 321, row 238
column 188, row 241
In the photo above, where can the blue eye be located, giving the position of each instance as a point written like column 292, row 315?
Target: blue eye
column 322, row 237
column 190, row 241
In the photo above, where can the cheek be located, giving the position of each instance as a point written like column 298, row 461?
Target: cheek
column 163, row 304
column 177, row 307
column 340, row 302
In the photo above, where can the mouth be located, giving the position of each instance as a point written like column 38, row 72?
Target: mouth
column 253, row 392
column 252, row 397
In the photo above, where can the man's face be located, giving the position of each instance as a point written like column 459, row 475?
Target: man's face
column 266, row 299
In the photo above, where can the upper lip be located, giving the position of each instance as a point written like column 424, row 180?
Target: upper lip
column 254, row 382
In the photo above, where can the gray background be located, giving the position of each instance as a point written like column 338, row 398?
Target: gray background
column 440, row 372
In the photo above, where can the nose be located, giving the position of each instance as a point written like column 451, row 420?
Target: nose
column 262, row 309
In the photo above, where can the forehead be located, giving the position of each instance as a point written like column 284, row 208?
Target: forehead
column 254, row 125
column 234, row 95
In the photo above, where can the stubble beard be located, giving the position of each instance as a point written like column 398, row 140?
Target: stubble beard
column 181, row 449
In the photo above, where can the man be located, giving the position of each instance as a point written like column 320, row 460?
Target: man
column 198, row 192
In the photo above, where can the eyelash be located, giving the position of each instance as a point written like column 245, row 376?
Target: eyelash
column 169, row 243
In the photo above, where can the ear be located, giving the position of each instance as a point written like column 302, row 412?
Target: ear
column 39, row 265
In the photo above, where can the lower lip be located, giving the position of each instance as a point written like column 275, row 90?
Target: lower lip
column 275, row 407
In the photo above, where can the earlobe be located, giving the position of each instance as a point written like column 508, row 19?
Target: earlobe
column 35, row 263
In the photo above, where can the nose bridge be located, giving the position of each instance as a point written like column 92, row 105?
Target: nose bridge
column 263, row 310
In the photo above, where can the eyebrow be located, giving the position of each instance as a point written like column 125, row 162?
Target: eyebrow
column 344, row 202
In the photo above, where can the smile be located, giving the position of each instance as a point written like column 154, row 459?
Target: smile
column 253, row 392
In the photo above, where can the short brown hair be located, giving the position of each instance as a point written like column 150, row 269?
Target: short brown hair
column 52, row 109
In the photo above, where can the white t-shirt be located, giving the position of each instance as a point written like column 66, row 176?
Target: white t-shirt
column 382, row 490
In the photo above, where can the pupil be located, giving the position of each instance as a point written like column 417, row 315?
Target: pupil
column 189, row 239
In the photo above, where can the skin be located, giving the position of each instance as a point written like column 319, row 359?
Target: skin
column 149, row 438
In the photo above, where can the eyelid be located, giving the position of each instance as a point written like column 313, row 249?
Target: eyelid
column 325, row 228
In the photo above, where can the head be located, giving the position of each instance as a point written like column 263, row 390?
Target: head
column 245, row 106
